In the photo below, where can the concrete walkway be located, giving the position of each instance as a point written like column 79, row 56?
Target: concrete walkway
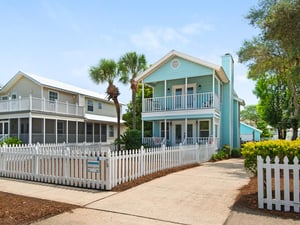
column 201, row 195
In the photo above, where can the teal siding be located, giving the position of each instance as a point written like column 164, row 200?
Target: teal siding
column 186, row 69
column 164, row 78
column 249, row 131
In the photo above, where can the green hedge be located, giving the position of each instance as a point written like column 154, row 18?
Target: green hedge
column 273, row 148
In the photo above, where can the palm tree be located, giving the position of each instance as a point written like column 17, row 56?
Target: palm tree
column 130, row 66
column 107, row 71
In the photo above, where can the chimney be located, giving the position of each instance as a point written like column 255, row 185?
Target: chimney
column 227, row 64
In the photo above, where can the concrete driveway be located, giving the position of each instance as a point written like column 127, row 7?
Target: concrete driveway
column 201, row 195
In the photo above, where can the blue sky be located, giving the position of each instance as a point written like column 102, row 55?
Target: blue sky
column 62, row 39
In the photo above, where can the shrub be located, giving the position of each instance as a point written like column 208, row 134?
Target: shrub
column 272, row 148
column 236, row 153
column 221, row 154
column 132, row 139
column 11, row 141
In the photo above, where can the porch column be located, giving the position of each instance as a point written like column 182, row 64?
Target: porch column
column 56, row 131
column 76, row 135
column 19, row 127
column 8, row 127
column 44, row 130
column 165, row 94
column 30, row 129
column 67, row 131
column 185, row 130
column 214, row 132
column 165, row 129
column 85, row 131
column 93, row 132
column 185, row 103
column 142, row 130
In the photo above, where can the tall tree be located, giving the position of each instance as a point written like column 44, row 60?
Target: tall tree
column 107, row 71
column 273, row 52
column 128, row 115
column 131, row 65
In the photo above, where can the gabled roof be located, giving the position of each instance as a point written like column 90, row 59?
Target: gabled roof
column 219, row 70
column 51, row 84
column 251, row 127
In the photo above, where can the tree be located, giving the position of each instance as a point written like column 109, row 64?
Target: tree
column 107, row 71
column 131, row 65
column 274, row 97
column 249, row 115
column 273, row 53
column 128, row 115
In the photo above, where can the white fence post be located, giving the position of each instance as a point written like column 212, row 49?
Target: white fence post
column 141, row 161
column 296, row 185
column 108, row 170
column 36, row 162
column 260, row 181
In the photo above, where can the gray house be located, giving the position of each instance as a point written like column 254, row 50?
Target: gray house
column 37, row 109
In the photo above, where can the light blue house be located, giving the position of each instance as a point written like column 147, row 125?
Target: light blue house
column 193, row 102
column 249, row 133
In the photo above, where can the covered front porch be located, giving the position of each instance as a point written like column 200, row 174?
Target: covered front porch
column 171, row 132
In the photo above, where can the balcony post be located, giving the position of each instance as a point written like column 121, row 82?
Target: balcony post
column 76, row 110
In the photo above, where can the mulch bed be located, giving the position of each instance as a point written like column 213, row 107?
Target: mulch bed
column 17, row 209
column 247, row 200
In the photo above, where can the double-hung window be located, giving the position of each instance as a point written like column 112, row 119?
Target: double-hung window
column 90, row 106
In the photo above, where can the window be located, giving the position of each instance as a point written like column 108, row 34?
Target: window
column 60, row 127
column 90, row 106
column 204, row 128
column 53, row 96
column 13, row 96
column 190, row 130
column 4, row 98
column 111, row 131
column 99, row 105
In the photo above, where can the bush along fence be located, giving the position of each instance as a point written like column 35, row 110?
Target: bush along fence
column 278, row 184
column 88, row 167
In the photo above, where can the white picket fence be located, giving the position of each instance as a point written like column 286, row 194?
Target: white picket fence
column 89, row 167
column 280, row 197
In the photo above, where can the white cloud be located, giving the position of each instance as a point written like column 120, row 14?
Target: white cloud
column 154, row 38
column 196, row 28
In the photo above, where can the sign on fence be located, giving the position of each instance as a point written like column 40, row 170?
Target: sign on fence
column 94, row 166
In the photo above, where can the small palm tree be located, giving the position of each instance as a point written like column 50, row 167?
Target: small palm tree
column 107, row 71
column 130, row 66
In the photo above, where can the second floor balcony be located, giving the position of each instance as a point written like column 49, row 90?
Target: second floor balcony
column 198, row 101
column 40, row 105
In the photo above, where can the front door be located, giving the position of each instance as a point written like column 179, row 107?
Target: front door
column 178, row 133
column 178, row 98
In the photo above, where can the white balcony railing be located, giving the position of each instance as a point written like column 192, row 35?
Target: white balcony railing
column 41, row 105
column 182, row 102
column 158, row 141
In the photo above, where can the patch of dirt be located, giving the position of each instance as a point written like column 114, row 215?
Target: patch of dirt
column 17, row 209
